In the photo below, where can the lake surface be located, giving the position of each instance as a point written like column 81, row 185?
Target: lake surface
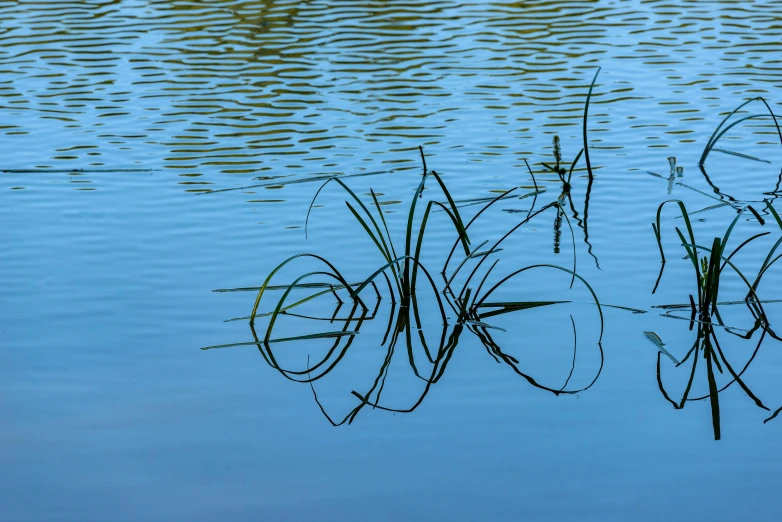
column 157, row 151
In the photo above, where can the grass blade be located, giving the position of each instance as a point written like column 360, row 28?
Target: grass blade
column 584, row 125
column 320, row 335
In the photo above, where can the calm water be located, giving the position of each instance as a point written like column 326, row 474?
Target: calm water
column 156, row 151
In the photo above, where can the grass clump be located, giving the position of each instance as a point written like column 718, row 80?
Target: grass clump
column 708, row 270
column 401, row 268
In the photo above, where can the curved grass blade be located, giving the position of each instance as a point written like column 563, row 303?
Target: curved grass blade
column 320, row 335
column 773, row 211
column 573, row 165
column 377, row 235
column 336, row 273
column 584, row 126
column 497, row 243
column 385, row 226
column 740, row 155
column 475, row 217
column 588, row 286
column 512, row 306
column 715, row 136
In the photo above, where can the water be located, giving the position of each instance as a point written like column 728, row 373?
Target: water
column 157, row 151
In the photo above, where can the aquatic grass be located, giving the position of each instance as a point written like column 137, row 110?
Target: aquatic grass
column 470, row 307
column 558, row 204
column 557, row 167
column 334, row 273
column 384, row 243
column 566, row 195
column 496, row 245
column 332, row 357
column 405, row 276
column 708, row 272
column 584, row 130
column 719, row 131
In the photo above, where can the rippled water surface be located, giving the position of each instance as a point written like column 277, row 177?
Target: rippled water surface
column 156, row 151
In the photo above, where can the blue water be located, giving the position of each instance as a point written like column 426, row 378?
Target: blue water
column 157, row 151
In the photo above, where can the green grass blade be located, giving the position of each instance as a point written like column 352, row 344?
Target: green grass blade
column 457, row 222
column 740, row 155
column 418, row 246
column 555, row 267
column 766, row 263
column 729, row 230
column 312, row 203
column 290, row 306
column 534, row 181
column 584, row 125
column 281, row 265
column 279, row 308
column 712, row 141
column 368, row 231
column 409, row 235
column 573, row 165
column 280, row 287
column 714, row 272
column 455, row 217
column 474, row 218
column 320, row 335
column 742, row 245
column 659, row 242
column 398, row 260
column 773, row 116
column 464, row 261
column 388, row 235
column 504, row 308
column 752, row 292
column 716, row 135
column 727, row 128
column 690, row 254
column 497, row 243
column 773, row 211
column 483, row 280
column 687, row 223
column 377, row 232
column 766, row 266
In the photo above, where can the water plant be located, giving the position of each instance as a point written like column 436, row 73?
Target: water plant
column 705, row 310
column 565, row 177
column 405, row 324
column 722, row 128
column 405, row 276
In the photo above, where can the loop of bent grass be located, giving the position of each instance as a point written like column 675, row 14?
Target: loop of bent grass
column 718, row 133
